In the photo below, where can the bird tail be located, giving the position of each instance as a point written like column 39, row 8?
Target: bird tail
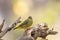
column 18, row 27
column 15, row 28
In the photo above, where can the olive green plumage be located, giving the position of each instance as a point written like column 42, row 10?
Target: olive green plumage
column 27, row 23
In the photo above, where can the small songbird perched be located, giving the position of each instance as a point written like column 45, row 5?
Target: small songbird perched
column 27, row 23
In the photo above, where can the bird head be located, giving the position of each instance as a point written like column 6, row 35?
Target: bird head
column 30, row 17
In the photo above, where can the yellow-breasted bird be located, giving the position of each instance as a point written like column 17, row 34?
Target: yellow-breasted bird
column 27, row 23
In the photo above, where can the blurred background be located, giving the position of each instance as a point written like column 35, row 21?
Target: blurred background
column 41, row 11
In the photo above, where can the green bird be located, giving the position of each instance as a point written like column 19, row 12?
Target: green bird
column 26, row 24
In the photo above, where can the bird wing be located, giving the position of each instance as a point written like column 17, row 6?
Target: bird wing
column 25, row 22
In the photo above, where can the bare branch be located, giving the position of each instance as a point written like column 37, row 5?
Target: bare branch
column 51, row 32
column 15, row 23
column 1, row 26
column 34, row 32
column 10, row 27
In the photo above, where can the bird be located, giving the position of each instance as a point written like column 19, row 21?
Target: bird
column 26, row 24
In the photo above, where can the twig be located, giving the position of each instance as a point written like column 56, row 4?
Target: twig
column 10, row 27
column 1, row 26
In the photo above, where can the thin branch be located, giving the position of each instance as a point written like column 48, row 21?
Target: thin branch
column 51, row 32
column 15, row 23
column 1, row 26
column 10, row 27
